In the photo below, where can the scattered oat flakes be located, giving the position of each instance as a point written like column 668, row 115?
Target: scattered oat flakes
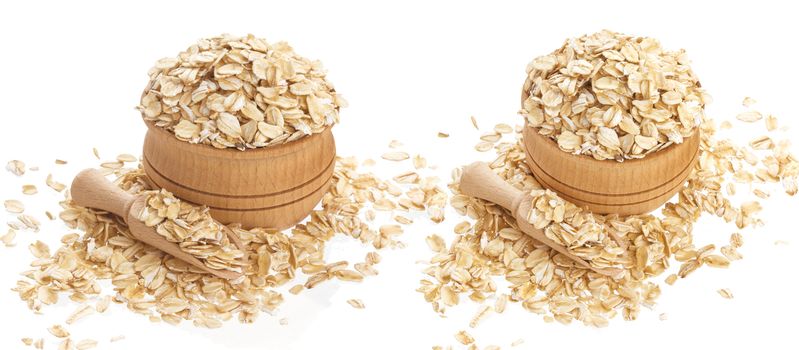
column 500, row 303
column 717, row 261
column 436, row 243
column 86, row 344
column 349, row 275
column 29, row 189
column 464, row 338
column 283, row 321
column 671, row 279
column 82, row 311
column 761, row 194
column 762, row 143
column 117, row 338
column 29, row 222
column 60, row 162
column 663, row 317
column 296, row 289
column 491, row 137
column 16, row 167
column 503, row 128
column 517, row 342
column 419, row 162
column 366, row 269
column 448, row 296
column 114, row 165
column 748, row 101
column 373, row 258
column 771, row 123
column 395, row 156
column 749, row 117
column 480, row 315
column 8, row 238
column 58, row 331
column 39, row 249
column 66, row 344
column 491, row 245
column 725, row 293
column 484, row 146
column 102, row 304
column 127, row 158
column 14, row 206
column 443, row 135
column 474, row 122
column 356, row 303
column 409, row 177
column 139, row 273
column 403, row 220
column 96, row 153
column 57, row 186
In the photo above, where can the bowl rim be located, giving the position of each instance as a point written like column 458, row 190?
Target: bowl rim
column 231, row 152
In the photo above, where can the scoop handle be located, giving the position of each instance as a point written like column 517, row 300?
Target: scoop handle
column 91, row 189
column 478, row 180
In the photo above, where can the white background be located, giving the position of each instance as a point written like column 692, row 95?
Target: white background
column 72, row 74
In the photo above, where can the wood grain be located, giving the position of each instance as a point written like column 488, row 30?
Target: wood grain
column 272, row 187
column 90, row 189
column 634, row 186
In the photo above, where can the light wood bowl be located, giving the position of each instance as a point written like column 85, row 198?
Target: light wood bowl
column 272, row 187
column 634, row 186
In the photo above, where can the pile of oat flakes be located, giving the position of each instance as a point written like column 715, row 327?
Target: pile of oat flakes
column 488, row 246
column 193, row 229
column 240, row 92
column 613, row 96
column 227, row 92
column 151, row 283
column 232, row 92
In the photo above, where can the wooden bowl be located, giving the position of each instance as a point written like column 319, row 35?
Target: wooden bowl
column 635, row 186
column 272, row 187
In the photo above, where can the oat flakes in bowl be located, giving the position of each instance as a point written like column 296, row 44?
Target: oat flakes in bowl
column 240, row 92
column 613, row 96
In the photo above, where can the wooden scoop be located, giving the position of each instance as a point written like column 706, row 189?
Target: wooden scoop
column 478, row 180
column 91, row 189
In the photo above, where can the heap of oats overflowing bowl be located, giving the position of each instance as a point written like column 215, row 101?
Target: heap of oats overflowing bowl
column 232, row 93
column 242, row 93
column 226, row 99
column 619, row 99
